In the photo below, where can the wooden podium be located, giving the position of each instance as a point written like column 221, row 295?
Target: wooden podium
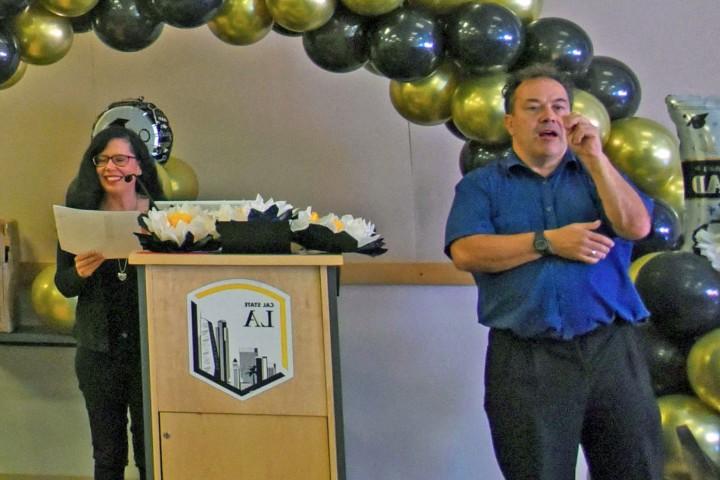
column 198, row 424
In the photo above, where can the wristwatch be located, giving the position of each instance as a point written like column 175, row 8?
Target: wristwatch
column 541, row 244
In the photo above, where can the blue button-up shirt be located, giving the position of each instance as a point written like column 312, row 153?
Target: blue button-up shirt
column 552, row 296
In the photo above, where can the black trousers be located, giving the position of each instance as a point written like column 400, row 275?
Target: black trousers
column 112, row 385
column 545, row 397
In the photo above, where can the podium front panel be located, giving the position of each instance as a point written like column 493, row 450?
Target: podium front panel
column 178, row 391
column 221, row 447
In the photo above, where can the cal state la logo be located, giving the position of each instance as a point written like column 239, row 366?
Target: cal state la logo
column 240, row 335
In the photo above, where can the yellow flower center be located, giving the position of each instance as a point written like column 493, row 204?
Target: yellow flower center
column 314, row 217
column 176, row 217
column 339, row 226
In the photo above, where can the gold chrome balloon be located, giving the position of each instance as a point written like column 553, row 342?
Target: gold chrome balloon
column 241, row 22
column 427, row 101
column 438, row 6
column 56, row 311
column 645, row 150
column 19, row 73
column 372, row 7
column 478, row 109
column 165, row 181
column 181, row 182
column 526, row 10
column 673, row 193
column 703, row 422
column 43, row 37
column 703, row 366
column 69, row 8
column 301, row 15
column 638, row 263
column 587, row 105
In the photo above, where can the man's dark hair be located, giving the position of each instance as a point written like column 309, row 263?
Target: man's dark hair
column 538, row 70
column 85, row 190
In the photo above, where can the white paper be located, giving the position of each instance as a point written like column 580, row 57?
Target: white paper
column 110, row 233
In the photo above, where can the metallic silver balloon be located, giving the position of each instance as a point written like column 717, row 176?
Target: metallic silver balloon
column 697, row 120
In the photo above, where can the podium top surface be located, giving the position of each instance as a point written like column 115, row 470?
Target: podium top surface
column 211, row 259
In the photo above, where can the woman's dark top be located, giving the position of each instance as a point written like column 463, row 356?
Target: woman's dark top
column 106, row 318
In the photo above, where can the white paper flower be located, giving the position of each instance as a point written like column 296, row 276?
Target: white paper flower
column 358, row 228
column 174, row 223
column 227, row 212
column 262, row 206
column 241, row 210
column 302, row 221
column 708, row 242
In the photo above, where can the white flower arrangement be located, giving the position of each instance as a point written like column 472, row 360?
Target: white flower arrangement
column 360, row 229
column 707, row 242
column 255, row 226
column 242, row 210
column 174, row 224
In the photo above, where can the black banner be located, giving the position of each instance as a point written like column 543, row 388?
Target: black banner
column 702, row 178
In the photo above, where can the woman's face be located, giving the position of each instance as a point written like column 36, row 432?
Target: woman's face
column 112, row 165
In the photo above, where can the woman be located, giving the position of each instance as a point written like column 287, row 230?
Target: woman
column 107, row 362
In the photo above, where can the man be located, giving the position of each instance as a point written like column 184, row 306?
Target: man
column 547, row 232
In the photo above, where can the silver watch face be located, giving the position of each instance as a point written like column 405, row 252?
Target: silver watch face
column 541, row 244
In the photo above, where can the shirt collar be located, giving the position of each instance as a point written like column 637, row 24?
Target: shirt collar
column 510, row 161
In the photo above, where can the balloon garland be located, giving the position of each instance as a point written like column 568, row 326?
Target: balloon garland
column 447, row 62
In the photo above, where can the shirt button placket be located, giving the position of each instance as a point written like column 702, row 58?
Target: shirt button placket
column 549, row 216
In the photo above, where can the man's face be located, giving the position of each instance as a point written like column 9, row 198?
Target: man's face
column 536, row 121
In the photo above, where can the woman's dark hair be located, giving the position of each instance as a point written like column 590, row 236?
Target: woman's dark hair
column 85, row 190
column 538, row 70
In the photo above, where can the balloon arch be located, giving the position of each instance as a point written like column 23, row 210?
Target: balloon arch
column 447, row 61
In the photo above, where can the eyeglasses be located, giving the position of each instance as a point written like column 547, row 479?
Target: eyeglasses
column 118, row 160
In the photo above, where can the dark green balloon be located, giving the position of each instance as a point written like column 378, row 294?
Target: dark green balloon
column 10, row 8
column 450, row 125
column 682, row 292
column 558, row 41
column 82, row 23
column 614, row 84
column 665, row 232
column 122, row 25
column 666, row 360
column 184, row 13
column 406, row 44
column 9, row 54
column 277, row 28
column 475, row 155
column 484, row 37
column 340, row 45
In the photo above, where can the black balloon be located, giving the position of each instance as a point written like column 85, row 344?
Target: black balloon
column 10, row 8
column 450, row 125
column 475, row 154
column 682, row 292
column 406, row 44
column 614, row 84
column 9, row 54
column 83, row 23
column 484, row 37
column 340, row 45
column 666, row 361
column 184, row 13
column 277, row 28
column 122, row 25
column 558, row 41
column 665, row 234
